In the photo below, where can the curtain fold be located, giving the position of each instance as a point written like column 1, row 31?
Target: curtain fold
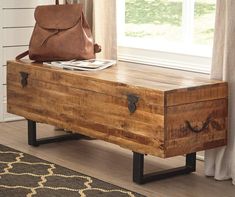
column 220, row 162
column 101, row 16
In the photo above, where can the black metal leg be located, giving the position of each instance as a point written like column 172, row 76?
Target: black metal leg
column 138, row 167
column 191, row 161
column 33, row 141
column 140, row 178
column 32, row 133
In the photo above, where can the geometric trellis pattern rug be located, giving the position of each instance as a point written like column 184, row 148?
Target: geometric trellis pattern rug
column 25, row 175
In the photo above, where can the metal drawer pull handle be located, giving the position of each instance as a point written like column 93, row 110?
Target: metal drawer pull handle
column 24, row 79
column 196, row 129
column 132, row 101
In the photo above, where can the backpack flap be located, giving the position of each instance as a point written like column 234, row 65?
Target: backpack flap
column 58, row 17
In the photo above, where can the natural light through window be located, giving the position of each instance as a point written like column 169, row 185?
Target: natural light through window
column 172, row 33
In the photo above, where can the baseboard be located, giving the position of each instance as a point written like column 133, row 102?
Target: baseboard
column 200, row 158
column 13, row 118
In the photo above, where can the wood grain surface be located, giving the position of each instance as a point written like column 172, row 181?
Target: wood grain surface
column 95, row 104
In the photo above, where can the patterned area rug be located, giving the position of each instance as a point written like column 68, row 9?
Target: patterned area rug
column 25, row 175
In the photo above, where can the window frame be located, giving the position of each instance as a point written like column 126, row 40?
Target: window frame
column 169, row 55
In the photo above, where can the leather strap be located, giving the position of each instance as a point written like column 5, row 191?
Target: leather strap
column 22, row 55
column 57, row 2
column 97, row 48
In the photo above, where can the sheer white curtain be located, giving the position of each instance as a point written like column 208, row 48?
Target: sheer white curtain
column 220, row 162
column 101, row 15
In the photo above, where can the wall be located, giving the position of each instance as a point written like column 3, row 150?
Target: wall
column 16, row 25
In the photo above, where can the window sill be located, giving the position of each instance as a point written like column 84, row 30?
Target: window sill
column 164, row 70
column 165, row 59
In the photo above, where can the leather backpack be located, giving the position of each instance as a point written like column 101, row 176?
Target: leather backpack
column 61, row 32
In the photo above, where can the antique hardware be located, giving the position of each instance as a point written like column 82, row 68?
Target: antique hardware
column 196, row 129
column 132, row 101
column 215, row 125
column 24, row 79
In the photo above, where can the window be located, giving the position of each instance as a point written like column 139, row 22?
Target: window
column 169, row 33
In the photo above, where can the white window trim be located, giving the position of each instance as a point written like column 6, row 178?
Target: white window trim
column 188, row 20
column 163, row 54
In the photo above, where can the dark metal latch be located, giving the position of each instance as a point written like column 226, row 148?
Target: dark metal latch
column 132, row 101
column 24, row 79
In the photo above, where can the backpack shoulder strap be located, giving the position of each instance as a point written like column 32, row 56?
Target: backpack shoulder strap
column 22, row 55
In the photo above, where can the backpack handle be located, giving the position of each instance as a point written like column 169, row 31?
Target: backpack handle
column 57, row 2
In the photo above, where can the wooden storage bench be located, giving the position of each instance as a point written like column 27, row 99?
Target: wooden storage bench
column 138, row 107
